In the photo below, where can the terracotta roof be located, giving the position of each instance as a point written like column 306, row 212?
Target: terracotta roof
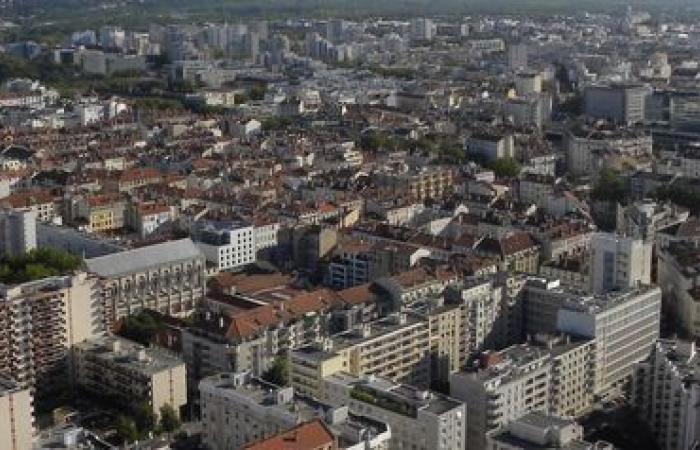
column 357, row 295
column 138, row 174
column 307, row 436
column 517, row 242
column 251, row 284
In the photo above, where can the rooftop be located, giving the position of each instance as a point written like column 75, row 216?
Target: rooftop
column 140, row 259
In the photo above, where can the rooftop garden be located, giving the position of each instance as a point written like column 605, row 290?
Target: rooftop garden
column 383, row 401
column 37, row 264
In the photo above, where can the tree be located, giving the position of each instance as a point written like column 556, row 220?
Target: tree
column 610, row 187
column 145, row 418
column 169, row 420
column 279, row 372
column 506, row 167
column 126, row 429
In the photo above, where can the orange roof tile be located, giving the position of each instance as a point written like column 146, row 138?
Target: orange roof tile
column 312, row 435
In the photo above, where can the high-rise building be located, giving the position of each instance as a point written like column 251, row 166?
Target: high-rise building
column 666, row 393
column 619, row 262
column 622, row 104
column 502, row 387
column 40, row 321
column 17, row 231
column 518, row 56
column 16, row 422
column 624, row 324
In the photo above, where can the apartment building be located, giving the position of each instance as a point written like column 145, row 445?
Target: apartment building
column 40, row 321
column 309, row 366
column 537, row 430
column 619, row 262
column 666, row 393
column 619, row 103
column 418, row 419
column 624, row 325
column 422, row 184
column 352, row 264
column 240, row 411
column 129, row 372
column 396, row 347
column 97, row 213
column 16, row 416
column 226, row 244
column 17, row 231
column 502, row 387
column 679, row 279
column 588, row 147
column 168, row 277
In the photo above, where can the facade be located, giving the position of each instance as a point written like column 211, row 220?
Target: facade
column 226, row 245
column 666, row 393
column 623, row 104
column 537, row 430
column 502, row 387
column 129, row 372
column 418, row 419
column 16, row 421
column 309, row 366
column 619, row 262
column 240, row 411
column 678, row 278
column 167, row 277
column 40, row 321
column 397, row 348
column 588, row 148
column 17, row 232
column 491, row 146
column 624, row 325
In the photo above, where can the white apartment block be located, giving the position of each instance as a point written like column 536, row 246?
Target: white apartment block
column 237, row 409
column 624, row 325
column 418, row 419
column 227, row 245
column 619, row 262
column 117, row 367
column 266, row 235
column 666, row 394
column 16, row 420
column 537, row 430
column 503, row 387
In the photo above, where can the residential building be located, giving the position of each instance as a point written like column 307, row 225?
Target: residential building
column 226, row 245
column 491, row 146
column 590, row 148
column 167, row 277
column 17, row 231
column 624, row 324
column 537, row 430
column 619, row 262
column 129, row 372
column 40, row 321
column 241, row 411
column 666, row 393
column 502, row 387
column 16, row 416
column 418, row 419
column 679, row 280
column 309, row 366
column 623, row 104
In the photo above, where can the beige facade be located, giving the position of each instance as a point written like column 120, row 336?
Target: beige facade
column 40, row 321
column 397, row 348
column 130, row 372
column 308, row 367
column 16, row 422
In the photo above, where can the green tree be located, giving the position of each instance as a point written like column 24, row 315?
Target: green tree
column 279, row 372
column 169, row 420
column 145, row 418
column 126, row 429
column 609, row 187
column 506, row 167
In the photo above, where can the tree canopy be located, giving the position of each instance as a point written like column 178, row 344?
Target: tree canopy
column 36, row 264
column 609, row 187
column 279, row 372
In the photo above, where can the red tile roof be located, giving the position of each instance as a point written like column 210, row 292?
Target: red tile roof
column 312, row 435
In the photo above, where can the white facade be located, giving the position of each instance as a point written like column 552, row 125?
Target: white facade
column 666, row 394
column 619, row 262
column 227, row 245
column 625, row 326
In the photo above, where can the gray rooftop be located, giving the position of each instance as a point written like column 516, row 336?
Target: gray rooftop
column 139, row 259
